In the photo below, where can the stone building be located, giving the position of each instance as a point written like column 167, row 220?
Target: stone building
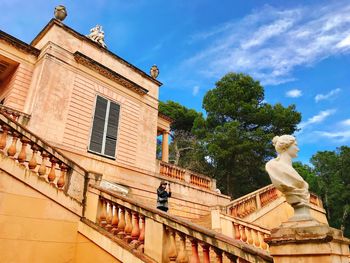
column 78, row 167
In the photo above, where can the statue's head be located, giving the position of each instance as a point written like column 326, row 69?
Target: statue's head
column 287, row 144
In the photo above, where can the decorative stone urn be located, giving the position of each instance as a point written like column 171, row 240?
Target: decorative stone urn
column 154, row 71
column 60, row 12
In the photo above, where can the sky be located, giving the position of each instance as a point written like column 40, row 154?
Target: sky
column 298, row 50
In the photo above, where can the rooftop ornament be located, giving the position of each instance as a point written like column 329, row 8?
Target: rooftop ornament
column 154, row 71
column 60, row 12
column 97, row 35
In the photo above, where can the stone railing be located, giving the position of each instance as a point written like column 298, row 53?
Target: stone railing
column 254, row 201
column 162, row 237
column 176, row 172
column 238, row 229
column 15, row 115
column 38, row 156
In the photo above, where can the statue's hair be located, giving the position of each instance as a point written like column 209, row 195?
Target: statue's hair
column 282, row 143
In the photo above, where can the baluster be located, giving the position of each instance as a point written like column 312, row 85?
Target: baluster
column 206, row 251
column 218, row 255
column 142, row 234
column 102, row 218
column 249, row 236
column 3, row 138
column 11, row 151
column 52, row 175
column 33, row 163
column 194, row 255
column 263, row 245
column 128, row 226
column 243, row 234
column 61, row 181
column 22, row 156
column 182, row 256
column 109, row 216
column 115, row 220
column 135, row 233
column 267, row 246
column 237, row 232
column 42, row 168
column 121, row 223
column 256, row 238
column 232, row 258
column 172, row 254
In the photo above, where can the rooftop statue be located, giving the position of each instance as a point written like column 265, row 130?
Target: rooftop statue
column 60, row 12
column 97, row 35
column 286, row 179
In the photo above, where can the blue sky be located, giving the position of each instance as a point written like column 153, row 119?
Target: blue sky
column 298, row 50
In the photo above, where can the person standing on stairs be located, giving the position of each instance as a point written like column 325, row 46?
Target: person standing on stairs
column 163, row 193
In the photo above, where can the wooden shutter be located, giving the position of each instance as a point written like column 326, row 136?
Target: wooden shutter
column 97, row 133
column 112, row 129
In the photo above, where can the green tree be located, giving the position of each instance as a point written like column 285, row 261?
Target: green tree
column 236, row 135
column 332, row 169
column 183, row 146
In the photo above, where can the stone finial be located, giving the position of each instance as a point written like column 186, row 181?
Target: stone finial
column 286, row 179
column 154, row 71
column 97, row 35
column 60, row 12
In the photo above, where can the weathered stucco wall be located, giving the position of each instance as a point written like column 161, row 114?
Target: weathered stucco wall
column 15, row 88
column 36, row 229
column 63, row 102
column 33, row 227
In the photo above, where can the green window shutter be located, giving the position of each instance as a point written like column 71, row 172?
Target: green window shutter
column 112, row 129
column 97, row 134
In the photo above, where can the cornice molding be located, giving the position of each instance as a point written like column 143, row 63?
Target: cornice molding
column 108, row 73
column 19, row 44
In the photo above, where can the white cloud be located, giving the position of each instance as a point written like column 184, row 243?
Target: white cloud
column 270, row 43
column 340, row 136
column 345, row 122
column 294, row 93
column 320, row 117
column 195, row 90
column 327, row 96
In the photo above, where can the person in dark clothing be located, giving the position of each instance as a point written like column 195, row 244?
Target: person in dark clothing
column 163, row 195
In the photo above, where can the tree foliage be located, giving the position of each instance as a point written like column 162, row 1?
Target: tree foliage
column 332, row 169
column 236, row 135
column 184, row 145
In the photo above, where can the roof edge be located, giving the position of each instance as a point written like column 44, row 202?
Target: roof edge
column 108, row 73
column 19, row 44
column 54, row 21
column 165, row 117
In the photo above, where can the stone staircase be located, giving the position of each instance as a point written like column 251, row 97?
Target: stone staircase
column 125, row 229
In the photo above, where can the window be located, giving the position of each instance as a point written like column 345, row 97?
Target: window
column 105, row 127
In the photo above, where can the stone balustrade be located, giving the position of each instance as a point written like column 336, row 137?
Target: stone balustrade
column 165, row 238
column 252, row 202
column 175, row 172
column 39, row 157
column 15, row 115
column 247, row 232
column 172, row 171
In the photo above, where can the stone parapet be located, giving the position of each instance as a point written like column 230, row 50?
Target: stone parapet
column 308, row 241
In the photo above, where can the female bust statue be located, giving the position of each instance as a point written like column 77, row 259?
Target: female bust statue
column 282, row 174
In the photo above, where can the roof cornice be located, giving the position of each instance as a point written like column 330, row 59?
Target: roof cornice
column 81, row 36
column 19, row 44
column 108, row 73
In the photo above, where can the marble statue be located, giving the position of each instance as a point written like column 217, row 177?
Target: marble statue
column 285, row 178
column 97, row 35
column 60, row 12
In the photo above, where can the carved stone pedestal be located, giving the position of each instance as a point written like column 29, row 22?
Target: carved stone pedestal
column 308, row 241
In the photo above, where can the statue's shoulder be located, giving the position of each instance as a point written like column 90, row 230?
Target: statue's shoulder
column 271, row 163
